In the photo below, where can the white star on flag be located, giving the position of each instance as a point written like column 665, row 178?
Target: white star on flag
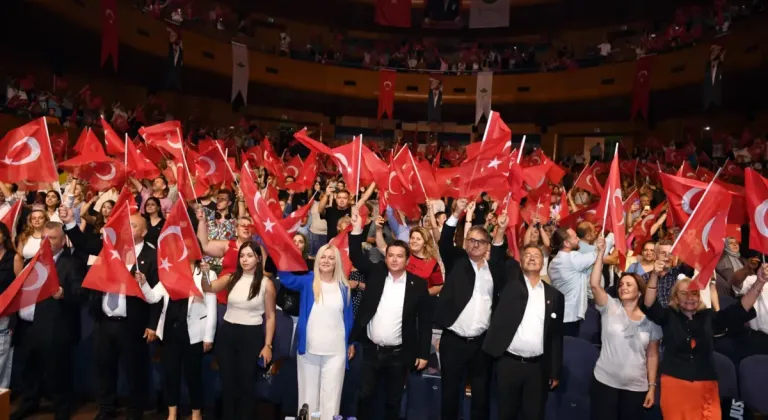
column 115, row 254
column 494, row 163
column 268, row 225
column 164, row 264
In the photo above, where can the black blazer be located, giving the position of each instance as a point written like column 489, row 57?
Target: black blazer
column 417, row 323
column 513, row 299
column 460, row 278
column 61, row 317
column 141, row 315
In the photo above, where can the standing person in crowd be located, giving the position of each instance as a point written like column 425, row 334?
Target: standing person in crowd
column 186, row 328
column 393, row 323
column 48, row 331
column 243, row 342
column 159, row 189
column 463, row 312
column 644, row 264
column 333, row 212
column 526, row 339
column 756, row 340
column 7, row 276
column 155, row 220
column 688, row 378
column 125, row 325
column 569, row 272
column 318, row 227
column 52, row 204
column 423, row 260
column 28, row 242
column 624, row 384
column 671, row 269
column 325, row 322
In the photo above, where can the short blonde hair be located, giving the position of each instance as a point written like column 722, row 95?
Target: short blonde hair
column 674, row 304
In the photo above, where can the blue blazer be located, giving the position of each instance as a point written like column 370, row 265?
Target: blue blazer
column 303, row 283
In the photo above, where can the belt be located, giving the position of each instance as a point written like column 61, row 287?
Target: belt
column 462, row 338
column 522, row 359
column 115, row 318
column 387, row 348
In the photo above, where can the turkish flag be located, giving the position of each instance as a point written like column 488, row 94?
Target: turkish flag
column 11, row 218
column 757, row 204
column 642, row 229
column 277, row 241
column 118, row 232
column 612, row 207
column 448, row 181
column 393, row 13
column 700, row 243
column 387, row 80
column 732, row 170
column 683, row 195
column 293, row 221
column 272, row 198
column 537, row 205
column 201, row 186
column 674, row 156
column 26, row 154
column 305, row 179
column 177, row 249
column 704, row 174
column 165, row 136
column 109, row 274
column 497, row 141
column 641, row 88
column 109, row 32
column 293, row 166
column 59, row 144
column 115, row 145
column 102, row 176
column 587, row 181
column 588, row 214
column 35, row 283
column 215, row 166
column 628, row 167
column 686, row 171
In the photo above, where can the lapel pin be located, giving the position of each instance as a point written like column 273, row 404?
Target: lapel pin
column 548, row 302
column 554, row 315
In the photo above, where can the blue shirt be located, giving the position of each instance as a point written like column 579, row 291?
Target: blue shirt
column 302, row 283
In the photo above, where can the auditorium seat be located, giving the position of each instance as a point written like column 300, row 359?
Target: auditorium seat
column 753, row 382
column 571, row 399
column 726, row 376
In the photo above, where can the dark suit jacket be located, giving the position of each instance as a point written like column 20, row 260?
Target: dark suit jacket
column 141, row 315
column 506, row 319
column 61, row 317
column 460, row 278
column 417, row 323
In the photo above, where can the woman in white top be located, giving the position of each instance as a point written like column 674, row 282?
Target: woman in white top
column 243, row 342
column 52, row 203
column 325, row 321
column 28, row 242
column 625, row 374
column 186, row 327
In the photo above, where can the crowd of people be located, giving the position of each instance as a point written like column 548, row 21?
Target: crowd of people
column 378, row 280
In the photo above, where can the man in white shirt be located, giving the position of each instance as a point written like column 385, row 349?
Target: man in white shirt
column 526, row 340
column 393, row 323
column 463, row 311
column 569, row 273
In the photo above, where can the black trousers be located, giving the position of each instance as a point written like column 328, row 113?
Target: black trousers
column 523, row 389
column 381, row 363
column 457, row 356
column 117, row 340
column 47, row 365
column 237, row 352
column 609, row 403
column 571, row 329
column 178, row 356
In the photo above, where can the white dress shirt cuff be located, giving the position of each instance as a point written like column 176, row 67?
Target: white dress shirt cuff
column 452, row 221
column 70, row 225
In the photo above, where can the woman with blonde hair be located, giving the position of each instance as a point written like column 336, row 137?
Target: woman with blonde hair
column 28, row 242
column 325, row 321
column 423, row 261
column 688, row 377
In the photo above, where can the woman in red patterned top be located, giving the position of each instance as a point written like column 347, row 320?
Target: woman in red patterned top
column 424, row 256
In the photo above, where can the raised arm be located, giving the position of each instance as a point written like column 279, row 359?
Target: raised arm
column 215, row 248
column 596, row 277
column 294, row 281
column 381, row 244
column 356, row 238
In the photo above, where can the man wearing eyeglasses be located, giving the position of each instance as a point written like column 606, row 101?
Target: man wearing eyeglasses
column 463, row 312
column 525, row 336
column 669, row 273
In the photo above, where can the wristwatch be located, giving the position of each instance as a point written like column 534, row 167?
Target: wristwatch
column 269, row 345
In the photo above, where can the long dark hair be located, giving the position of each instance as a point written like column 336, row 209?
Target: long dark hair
column 257, row 275
column 159, row 208
column 7, row 243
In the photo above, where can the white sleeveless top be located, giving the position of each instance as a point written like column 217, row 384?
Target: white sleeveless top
column 242, row 311
column 31, row 247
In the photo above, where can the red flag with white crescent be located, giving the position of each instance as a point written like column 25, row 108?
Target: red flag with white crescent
column 26, row 154
column 757, row 204
column 611, row 207
column 177, row 248
column 387, row 80
column 35, row 283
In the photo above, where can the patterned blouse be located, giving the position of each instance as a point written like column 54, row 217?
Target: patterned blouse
column 222, row 229
column 357, row 294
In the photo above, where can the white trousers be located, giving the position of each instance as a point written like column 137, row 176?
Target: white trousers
column 320, row 381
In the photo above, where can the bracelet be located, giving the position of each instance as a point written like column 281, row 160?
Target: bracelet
column 651, row 384
column 654, row 288
column 269, row 345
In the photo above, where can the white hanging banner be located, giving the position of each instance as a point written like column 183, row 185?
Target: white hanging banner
column 239, row 71
column 488, row 13
column 483, row 94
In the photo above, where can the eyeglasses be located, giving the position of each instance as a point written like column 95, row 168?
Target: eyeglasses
column 688, row 293
column 477, row 242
